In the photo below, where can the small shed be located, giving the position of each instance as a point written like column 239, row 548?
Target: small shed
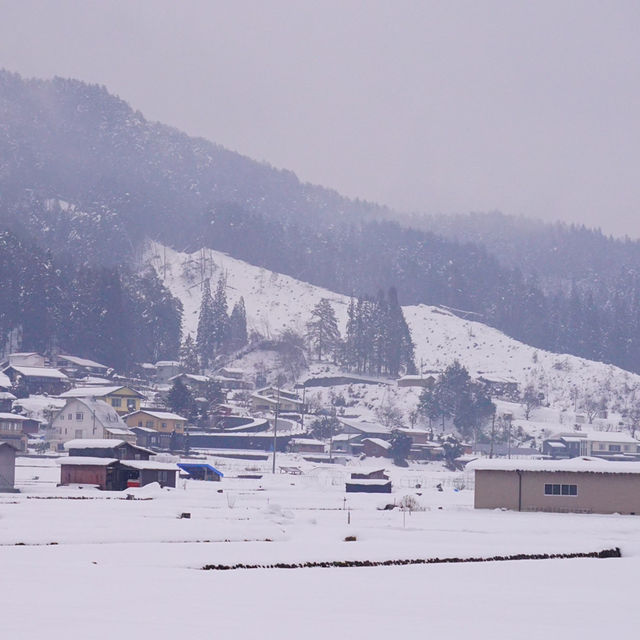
column 144, row 472
column 201, row 471
column 7, row 467
column 368, row 486
column 580, row 485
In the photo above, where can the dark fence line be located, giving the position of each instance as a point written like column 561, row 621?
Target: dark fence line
column 605, row 553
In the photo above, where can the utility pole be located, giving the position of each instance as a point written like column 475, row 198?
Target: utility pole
column 275, row 431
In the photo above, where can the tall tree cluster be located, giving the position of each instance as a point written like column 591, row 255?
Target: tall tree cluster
column 218, row 332
column 378, row 340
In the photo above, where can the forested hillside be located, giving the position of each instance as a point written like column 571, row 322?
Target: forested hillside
column 88, row 178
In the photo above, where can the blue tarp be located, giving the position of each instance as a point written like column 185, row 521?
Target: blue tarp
column 192, row 466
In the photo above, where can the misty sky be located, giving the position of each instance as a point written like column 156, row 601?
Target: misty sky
column 524, row 107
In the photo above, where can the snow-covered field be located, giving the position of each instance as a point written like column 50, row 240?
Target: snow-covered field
column 102, row 566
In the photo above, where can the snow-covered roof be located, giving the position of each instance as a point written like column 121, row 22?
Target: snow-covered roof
column 379, row 442
column 149, row 465
column 191, row 376
column 4, row 380
column 83, row 362
column 167, row 363
column 103, row 412
column 12, row 416
column 93, row 443
column 369, row 481
column 308, row 441
column 119, row 432
column 38, row 372
column 161, row 415
column 95, row 392
column 365, row 427
column 86, row 461
column 573, row 465
column 6, row 395
column 611, row 436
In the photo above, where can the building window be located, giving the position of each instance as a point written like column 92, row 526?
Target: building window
column 131, row 404
column 79, row 415
column 614, row 447
column 116, row 402
column 70, row 416
column 560, row 489
column 62, row 416
column 164, row 425
column 602, row 447
column 78, row 433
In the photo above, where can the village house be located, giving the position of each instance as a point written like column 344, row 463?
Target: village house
column 11, row 430
column 165, row 370
column 306, row 445
column 581, row 485
column 152, row 439
column 6, row 401
column 7, row 467
column 196, row 383
column 163, row 421
column 421, row 382
column 87, row 418
column 376, row 447
column 611, row 445
column 38, row 380
column 76, row 367
column 270, row 398
column 500, row 386
column 27, row 359
column 364, row 428
column 123, row 399
column 113, row 465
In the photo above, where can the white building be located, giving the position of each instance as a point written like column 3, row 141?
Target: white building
column 87, row 419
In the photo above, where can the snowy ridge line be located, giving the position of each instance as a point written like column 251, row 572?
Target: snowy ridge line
column 605, row 553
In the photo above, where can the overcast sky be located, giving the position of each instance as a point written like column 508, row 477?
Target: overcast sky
column 529, row 108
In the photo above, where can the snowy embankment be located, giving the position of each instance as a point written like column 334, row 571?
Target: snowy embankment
column 275, row 302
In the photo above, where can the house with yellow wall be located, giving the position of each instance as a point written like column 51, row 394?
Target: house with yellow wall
column 123, row 399
column 162, row 421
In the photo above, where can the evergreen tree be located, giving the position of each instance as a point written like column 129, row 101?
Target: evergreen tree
column 181, row 400
column 238, row 326
column 220, row 318
column 189, row 355
column 322, row 329
column 400, row 447
column 205, row 340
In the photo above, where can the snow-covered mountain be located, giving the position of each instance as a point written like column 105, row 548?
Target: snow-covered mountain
column 275, row 302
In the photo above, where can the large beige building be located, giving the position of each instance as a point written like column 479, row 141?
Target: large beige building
column 580, row 485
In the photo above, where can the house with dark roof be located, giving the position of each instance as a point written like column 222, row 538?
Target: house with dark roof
column 113, row 465
column 38, row 380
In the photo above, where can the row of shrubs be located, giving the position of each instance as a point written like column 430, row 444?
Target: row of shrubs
column 605, row 553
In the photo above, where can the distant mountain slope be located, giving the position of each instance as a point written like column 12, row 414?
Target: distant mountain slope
column 275, row 302
column 65, row 139
column 84, row 175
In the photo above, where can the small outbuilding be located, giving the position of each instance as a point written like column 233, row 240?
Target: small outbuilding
column 579, row 485
column 201, row 471
column 7, row 467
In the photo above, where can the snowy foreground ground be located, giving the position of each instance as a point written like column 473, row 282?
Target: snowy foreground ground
column 106, row 567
